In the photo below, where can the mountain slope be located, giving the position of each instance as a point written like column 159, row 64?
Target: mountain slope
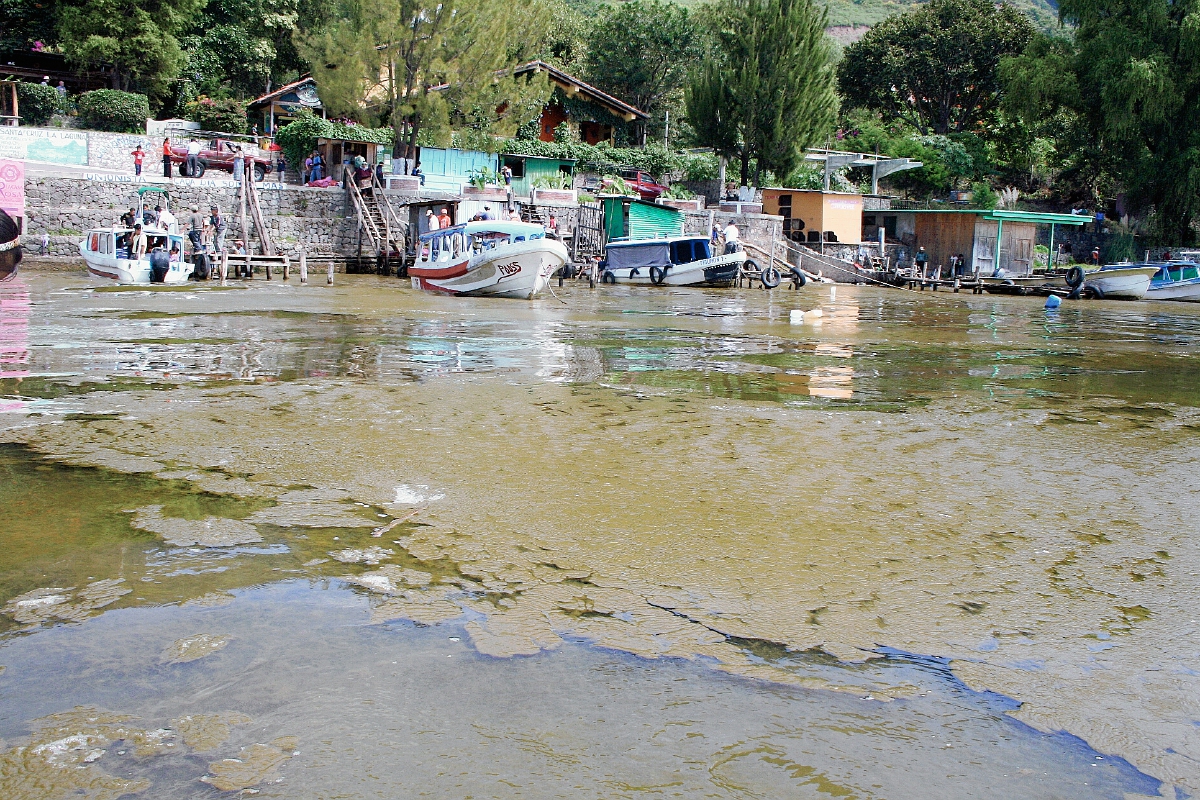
column 868, row 12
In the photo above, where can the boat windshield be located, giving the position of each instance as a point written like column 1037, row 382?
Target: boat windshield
column 689, row 250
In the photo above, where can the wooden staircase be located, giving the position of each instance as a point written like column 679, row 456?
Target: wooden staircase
column 380, row 231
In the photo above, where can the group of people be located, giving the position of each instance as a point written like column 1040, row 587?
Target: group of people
column 730, row 237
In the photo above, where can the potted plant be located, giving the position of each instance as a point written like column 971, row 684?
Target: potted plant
column 483, row 183
column 680, row 198
column 553, row 190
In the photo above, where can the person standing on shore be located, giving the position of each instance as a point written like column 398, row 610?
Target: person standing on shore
column 193, row 158
column 443, row 219
column 166, row 153
column 217, row 223
column 138, row 154
column 239, row 165
column 732, row 238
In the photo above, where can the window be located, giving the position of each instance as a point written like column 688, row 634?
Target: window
column 94, row 243
column 517, row 165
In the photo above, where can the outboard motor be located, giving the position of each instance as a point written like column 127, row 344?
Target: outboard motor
column 160, row 265
column 201, row 270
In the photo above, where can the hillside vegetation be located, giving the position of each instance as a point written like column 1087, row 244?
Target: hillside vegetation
column 868, row 12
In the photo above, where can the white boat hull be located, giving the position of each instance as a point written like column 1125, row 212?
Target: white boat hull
column 519, row 270
column 724, row 267
column 1185, row 291
column 1124, row 283
column 125, row 271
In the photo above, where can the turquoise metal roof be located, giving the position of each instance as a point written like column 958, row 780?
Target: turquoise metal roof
column 1036, row 217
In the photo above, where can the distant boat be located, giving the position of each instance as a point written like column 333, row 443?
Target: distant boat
column 1176, row 280
column 106, row 253
column 676, row 261
column 497, row 259
column 1124, row 281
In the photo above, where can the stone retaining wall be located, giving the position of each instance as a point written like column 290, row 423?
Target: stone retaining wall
column 315, row 219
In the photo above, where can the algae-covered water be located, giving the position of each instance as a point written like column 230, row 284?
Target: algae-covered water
column 364, row 542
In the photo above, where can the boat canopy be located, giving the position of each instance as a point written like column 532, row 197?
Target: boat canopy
column 657, row 252
column 517, row 230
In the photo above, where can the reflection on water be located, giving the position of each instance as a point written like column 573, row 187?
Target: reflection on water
column 633, row 491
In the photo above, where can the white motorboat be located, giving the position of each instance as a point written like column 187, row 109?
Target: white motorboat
column 498, row 259
column 106, row 252
column 1120, row 281
column 675, row 261
column 1176, row 280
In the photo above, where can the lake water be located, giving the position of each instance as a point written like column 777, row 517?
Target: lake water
column 359, row 541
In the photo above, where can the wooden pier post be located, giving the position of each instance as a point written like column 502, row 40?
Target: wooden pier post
column 329, row 275
column 268, row 266
column 303, row 267
column 224, row 266
column 287, row 266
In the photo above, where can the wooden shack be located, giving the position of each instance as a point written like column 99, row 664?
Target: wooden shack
column 973, row 234
column 633, row 218
column 814, row 216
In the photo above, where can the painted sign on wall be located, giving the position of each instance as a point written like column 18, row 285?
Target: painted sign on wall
column 44, row 145
column 12, row 187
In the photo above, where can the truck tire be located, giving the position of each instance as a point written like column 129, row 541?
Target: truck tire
column 201, row 166
column 260, row 173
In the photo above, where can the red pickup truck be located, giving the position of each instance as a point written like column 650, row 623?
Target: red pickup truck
column 218, row 153
column 640, row 182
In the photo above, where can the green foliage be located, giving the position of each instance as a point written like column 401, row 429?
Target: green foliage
column 984, row 196
column 615, row 184
column 139, row 38
column 600, row 158
column 697, row 166
column 678, row 193
column 641, row 52
column 1043, row 13
column 1120, row 99
column 426, row 65
column 23, row 22
column 935, row 67
column 111, row 110
column 482, row 177
column 299, row 137
column 769, row 91
column 38, row 103
column 559, row 180
column 226, row 116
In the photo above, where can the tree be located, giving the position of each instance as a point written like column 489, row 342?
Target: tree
column 641, row 52
column 768, row 91
column 424, row 65
column 935, row 67
column 23, row 22
column 137, row 37
column 1122, row 95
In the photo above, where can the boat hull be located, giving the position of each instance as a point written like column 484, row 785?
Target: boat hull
column 518, row 271
column 1182, row 291
column 125, row 271
column 1122, row 283
column 716, row 271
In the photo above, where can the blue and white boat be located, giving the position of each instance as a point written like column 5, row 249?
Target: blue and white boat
column 1176, row 280
column 675, row 261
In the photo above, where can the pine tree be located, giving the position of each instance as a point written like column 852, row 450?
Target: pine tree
column 426, row 66
column 768, row 93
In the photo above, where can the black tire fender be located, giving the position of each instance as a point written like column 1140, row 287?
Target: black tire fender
column 608, row 277
column 750, row 265
column 798, row 277
column 770, row 277
column 657, row 275
column 1075, row 277
column 1096, row 291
